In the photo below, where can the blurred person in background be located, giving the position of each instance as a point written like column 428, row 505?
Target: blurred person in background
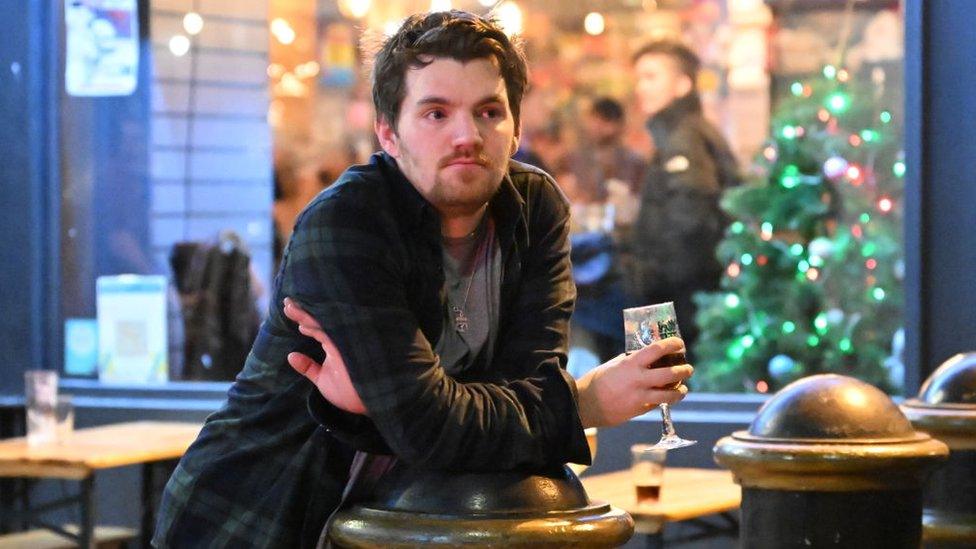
column 671, row 251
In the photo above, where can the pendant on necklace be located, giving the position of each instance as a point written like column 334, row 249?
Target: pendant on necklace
column 460, row 321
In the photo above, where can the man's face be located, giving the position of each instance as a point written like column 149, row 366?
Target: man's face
column 603, row 131
column 455, row 133
column 659, row 83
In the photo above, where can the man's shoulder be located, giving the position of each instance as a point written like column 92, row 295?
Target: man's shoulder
column 533, row 182
column 361, row 189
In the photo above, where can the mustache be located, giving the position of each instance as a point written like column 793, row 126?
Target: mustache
column 477, row 158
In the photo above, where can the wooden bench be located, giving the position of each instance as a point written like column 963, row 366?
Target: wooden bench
column 106, row 537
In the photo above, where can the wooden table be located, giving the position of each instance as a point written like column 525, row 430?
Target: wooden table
column 146, row 443
column 686, row 494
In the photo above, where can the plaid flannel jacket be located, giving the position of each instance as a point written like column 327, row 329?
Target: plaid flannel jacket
column 365, row 260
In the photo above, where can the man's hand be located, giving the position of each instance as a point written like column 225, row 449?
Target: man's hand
column 629, row 385
column 331, row 377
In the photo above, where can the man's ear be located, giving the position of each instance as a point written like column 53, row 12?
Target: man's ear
column 387, row 137
column 685, row 85
column 515, row 139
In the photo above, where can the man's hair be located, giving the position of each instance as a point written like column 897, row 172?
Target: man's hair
column 608, row 109
column 686, row 60
column 454, row 34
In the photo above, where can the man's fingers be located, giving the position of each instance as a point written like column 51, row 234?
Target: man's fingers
column 655, row 351
column 298, row 315
column 304, row 365
column 665, row 396
column 662, row 377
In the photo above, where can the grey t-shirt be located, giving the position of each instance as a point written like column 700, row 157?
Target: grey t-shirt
column 472, row 285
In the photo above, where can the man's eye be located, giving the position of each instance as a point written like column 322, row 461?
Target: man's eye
column 435, row 114
column 492, row 112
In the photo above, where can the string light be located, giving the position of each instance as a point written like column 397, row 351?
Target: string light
column 803, row 266
column 885, row 204
column 870, row 136
column 813, row 341
column 796, row 249
column 871, row 264
column 869, row 249
column 854, row 172
column 789, row 132
column 823, row 115
column 813, row 275
column 878, row 294
column 846, row 345
column 732, row 301
column 769, row 153
column 885, row 117
column 796, row 88
column 857, row 231
column 593, row 23
column 509, row 16
column 737, row 227
column 762, row 386
column 766, row 231
column 865, row 218
column 179, row 45
column 843, row 75
column 192, row 23
column 439, row 5
column 748, row 341
column 854, row 140
column 898, row 169
column 356, row 9
column 830, row 71
column 791, row 176
column 820, row 323
column 746, row 259
column 838, row 102
column 762, row 260
column 788, row 327
column 734, row 270
column 282, row 31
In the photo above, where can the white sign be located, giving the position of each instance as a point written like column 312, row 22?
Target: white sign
column 102, row 47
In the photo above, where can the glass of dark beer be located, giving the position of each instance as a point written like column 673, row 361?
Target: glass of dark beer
column 647, row 470
column 643, row 326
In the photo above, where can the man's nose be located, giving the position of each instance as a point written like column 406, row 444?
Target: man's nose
column 466, row 132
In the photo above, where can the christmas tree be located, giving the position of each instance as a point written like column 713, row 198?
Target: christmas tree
column 813, row 255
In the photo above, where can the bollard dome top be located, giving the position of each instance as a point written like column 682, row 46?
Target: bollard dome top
column 830, row 408
column 954, row 382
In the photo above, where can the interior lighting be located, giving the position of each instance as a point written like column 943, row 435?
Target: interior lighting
column 440, row 5
column 179, row 45
column 192, row 23
column 509, row 15
column 594, row 24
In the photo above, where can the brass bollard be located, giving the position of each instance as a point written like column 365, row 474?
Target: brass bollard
column 830, row 461
column 510, row 509
column 946, row 409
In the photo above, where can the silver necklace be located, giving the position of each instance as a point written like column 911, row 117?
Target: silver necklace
column 461, row 319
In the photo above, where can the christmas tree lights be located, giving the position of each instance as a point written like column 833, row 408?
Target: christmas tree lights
column 813, row 255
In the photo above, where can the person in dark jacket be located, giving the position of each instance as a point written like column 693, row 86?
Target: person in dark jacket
column 436, row 279
column 679, row 223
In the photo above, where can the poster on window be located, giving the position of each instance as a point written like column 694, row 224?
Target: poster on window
column 132, row 329
column 101, row 47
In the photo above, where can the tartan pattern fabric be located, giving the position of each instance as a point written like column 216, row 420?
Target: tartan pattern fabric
column 365, row 260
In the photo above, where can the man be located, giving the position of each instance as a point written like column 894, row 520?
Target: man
column 602, row 159
column 436, row 278
column 602, row 172
column 679, row 223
